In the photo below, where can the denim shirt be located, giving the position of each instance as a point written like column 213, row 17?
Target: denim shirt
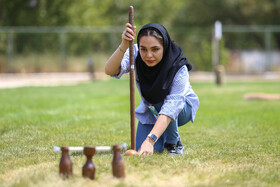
column 180, row 93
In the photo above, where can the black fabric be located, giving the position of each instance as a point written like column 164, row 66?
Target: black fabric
column 155, row 82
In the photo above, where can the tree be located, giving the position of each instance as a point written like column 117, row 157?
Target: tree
column 34, row 13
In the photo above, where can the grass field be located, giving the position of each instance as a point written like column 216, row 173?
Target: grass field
column 233, row 142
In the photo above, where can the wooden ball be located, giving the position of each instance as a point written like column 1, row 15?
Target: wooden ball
column 130, row 152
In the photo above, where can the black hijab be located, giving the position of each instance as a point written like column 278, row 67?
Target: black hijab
column 155, row 82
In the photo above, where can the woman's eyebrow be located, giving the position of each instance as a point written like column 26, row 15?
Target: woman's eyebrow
column 141, row 46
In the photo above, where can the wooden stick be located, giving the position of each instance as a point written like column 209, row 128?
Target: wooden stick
column 132, row 78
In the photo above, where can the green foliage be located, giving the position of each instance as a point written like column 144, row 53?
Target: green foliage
column 114, row 12
column 34, row 13
column 232, row 12
column 189, row 21
column 202, row 58
column 224, row 53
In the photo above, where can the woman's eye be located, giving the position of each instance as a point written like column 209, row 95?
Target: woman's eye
column 143, row 49
column 156, row 49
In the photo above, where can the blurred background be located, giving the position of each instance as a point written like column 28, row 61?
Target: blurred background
column 79, row 36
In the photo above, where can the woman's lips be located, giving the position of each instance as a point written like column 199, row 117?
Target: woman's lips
column 150, row 61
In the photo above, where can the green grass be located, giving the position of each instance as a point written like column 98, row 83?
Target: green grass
column 232, row 142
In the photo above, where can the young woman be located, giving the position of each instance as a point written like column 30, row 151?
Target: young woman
column 162, row 79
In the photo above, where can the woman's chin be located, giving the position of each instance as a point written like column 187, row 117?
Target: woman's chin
column 151, row 64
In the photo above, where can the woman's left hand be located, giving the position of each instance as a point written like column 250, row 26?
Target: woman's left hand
column 147, row 147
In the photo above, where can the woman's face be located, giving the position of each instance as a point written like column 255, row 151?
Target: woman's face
column 151, row 50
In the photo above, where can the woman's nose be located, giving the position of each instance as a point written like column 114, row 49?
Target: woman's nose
column 149, row 54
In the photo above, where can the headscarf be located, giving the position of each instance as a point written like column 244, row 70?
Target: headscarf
column 155, row 82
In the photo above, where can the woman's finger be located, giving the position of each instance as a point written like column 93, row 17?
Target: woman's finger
column 140, row 152
column 130, row 31
column 131, row 37
column 126, row 36
column 128, row 25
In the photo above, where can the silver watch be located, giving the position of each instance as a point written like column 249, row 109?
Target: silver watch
column 153, row 137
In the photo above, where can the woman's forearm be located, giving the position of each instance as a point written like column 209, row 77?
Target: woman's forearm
column 161, row 125
column 158, row 129
column 113, row 65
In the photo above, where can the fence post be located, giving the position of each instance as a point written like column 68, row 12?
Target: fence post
column 268, row 48
column 91, row 68
column 62, row 38
column 218, row 69
column 215, row 50
column 11, row 51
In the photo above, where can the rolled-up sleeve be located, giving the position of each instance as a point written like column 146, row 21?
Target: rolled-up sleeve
column 125, row 62
column 175, row 100
column 124, row 65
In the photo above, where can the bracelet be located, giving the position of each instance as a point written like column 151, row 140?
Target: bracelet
column 121, row 49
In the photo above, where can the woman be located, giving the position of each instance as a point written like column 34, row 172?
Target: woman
column 162, row 79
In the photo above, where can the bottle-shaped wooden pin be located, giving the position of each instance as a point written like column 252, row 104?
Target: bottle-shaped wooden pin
column 89, row 167
column 118, row 163
column 65, row 164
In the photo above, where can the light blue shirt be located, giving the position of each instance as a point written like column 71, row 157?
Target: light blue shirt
column 180, row 93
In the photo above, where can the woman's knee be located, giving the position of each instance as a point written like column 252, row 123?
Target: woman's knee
column 185, row 115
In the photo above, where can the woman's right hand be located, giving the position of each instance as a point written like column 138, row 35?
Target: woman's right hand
column 113, row 65
column 128, row 35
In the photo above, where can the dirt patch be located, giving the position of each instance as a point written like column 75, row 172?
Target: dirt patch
column 48, row 79
column 261, row 96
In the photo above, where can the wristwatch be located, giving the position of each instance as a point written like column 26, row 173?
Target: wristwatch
column 153, row 137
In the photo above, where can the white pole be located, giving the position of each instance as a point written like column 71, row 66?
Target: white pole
column 98, row 148
column 218, row 68
column 218, row 30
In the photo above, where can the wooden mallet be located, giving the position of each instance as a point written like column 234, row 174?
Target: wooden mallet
column 132, row 151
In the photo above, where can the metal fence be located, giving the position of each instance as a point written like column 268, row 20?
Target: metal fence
column 53, row 49
column 243, row 49
column 42, row 43
column 253, row 48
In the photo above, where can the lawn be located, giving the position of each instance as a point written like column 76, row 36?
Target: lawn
column 232, row 142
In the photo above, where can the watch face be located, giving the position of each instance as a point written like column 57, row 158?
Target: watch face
column 153, row 137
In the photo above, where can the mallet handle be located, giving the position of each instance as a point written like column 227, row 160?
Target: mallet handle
column 132, row 78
